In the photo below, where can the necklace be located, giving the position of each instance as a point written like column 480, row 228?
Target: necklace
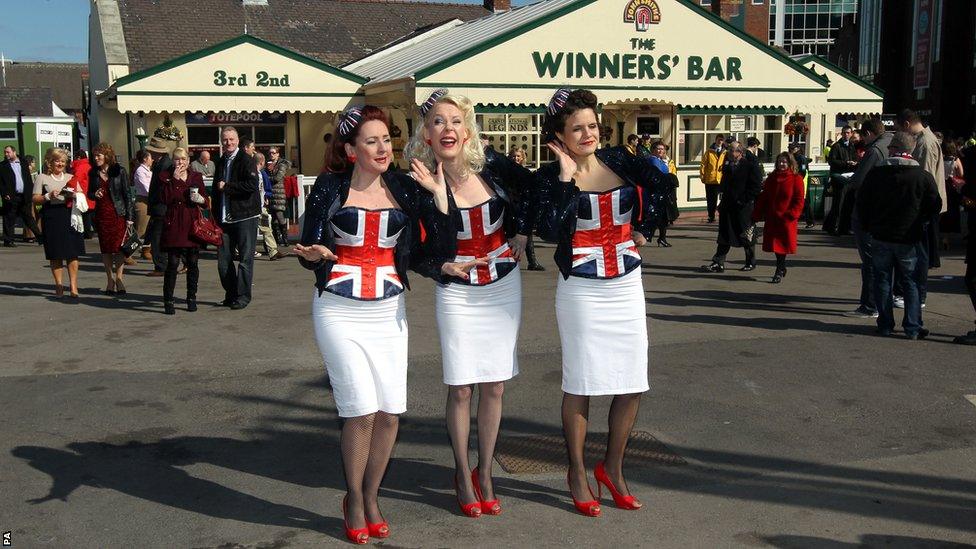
column 59, row 179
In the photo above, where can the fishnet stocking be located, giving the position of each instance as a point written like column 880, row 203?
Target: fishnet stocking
column 357, row 433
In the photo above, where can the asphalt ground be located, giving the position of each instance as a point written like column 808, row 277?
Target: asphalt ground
column 798, row 427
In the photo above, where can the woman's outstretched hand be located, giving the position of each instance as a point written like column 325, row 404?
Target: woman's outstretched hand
column 461, row 269
column 314, row 253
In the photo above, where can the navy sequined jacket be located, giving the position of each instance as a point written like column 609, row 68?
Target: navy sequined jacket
column 512, row 183
column 556, row 201
column 330, row 192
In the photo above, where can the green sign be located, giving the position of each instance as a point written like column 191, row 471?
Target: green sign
column 262, row 80
column 634, row 66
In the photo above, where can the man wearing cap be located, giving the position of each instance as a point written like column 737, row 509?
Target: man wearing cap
column 237, row 208
column 896, row 201
column 160, row 150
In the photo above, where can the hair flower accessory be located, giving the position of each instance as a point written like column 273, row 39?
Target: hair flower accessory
column 429, row 104
column 349, row 120
column 558, row 101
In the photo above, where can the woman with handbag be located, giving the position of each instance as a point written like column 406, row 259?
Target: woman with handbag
column 184, row 194
column 108, row 185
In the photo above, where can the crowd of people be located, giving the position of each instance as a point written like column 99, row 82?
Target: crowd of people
column 158, row 212
column 464, row 216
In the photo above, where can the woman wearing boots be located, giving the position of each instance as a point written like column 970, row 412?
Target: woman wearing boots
column 478, row 198
column 598, row 205
column 278, row 168
column 780, row 204
column 184, row 194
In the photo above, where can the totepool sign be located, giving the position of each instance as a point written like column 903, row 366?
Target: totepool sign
column 642, row 13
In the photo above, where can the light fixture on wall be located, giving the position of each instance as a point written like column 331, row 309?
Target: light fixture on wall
column 141, row 136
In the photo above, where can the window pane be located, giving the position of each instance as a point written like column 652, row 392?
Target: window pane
column 691, row 148
column 203, row 135
column 269, row 135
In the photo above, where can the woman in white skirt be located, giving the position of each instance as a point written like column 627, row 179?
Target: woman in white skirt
column 478, row 300
column 360, row 235
column 599, row 206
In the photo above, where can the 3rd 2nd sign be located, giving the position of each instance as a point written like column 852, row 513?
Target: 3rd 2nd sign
column 262, row 80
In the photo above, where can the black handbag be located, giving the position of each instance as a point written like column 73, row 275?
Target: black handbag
column 131, row 244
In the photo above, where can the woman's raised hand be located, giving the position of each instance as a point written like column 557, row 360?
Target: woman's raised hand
column 460, row 269
column 315, row 252
column 567, row 166
column 433, row 182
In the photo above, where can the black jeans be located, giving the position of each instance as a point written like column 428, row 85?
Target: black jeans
column 971, row 259
column 12, row 209
column 240, row 238
column 154, row 233
column 711, row 199
column 190, row 257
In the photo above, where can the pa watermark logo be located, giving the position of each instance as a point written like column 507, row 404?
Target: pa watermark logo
column 7, row 541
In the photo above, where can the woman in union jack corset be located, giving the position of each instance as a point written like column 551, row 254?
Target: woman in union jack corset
column 477, row 195
column 361, row 234
column 598, row 206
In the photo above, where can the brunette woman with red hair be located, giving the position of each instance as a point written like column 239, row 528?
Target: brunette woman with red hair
column 360, row 235
column 108, row 185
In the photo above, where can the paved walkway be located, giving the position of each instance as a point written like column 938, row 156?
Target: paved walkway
column 798, row 427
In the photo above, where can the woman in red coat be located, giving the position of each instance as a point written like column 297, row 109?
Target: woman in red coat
column 184, row 194
column 780, row 204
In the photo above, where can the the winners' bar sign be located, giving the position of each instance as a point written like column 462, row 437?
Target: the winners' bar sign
column 923, row 43
column 641, row 62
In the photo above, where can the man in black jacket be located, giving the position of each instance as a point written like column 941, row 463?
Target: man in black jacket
column 968, row 192
column 842, row 159
column 16, row 188
column 741, row 184
column 875, row 154
column 895, row 202
column 237, row 208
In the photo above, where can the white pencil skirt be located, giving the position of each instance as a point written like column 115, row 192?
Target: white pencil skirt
column 479, row 329
column 603, row 331
column 364, row 346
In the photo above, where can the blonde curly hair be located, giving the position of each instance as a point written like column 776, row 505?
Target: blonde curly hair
column 473, row 154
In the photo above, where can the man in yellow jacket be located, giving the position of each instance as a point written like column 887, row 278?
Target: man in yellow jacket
column 711, row 173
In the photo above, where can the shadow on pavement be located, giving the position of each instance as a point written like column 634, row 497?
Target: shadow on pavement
column 298, row 443
column 866, row 540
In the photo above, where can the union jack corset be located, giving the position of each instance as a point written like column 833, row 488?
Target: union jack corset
column 602, row 243
column 481, row 233
column 365, row 242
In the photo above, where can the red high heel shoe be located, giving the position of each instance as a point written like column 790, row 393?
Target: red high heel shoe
column 589, row 508
column 472, row 510
column 488, row 507
column 378, row 530
column 359, row 536
column 629, row 503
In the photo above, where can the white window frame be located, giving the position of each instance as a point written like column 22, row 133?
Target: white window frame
column 12, row 137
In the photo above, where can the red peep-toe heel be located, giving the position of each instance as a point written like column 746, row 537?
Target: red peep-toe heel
column 378, row 530
column 472, row 510
column 488, row 507
column 589, row 508
column 359, row 536
column 629, row 503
